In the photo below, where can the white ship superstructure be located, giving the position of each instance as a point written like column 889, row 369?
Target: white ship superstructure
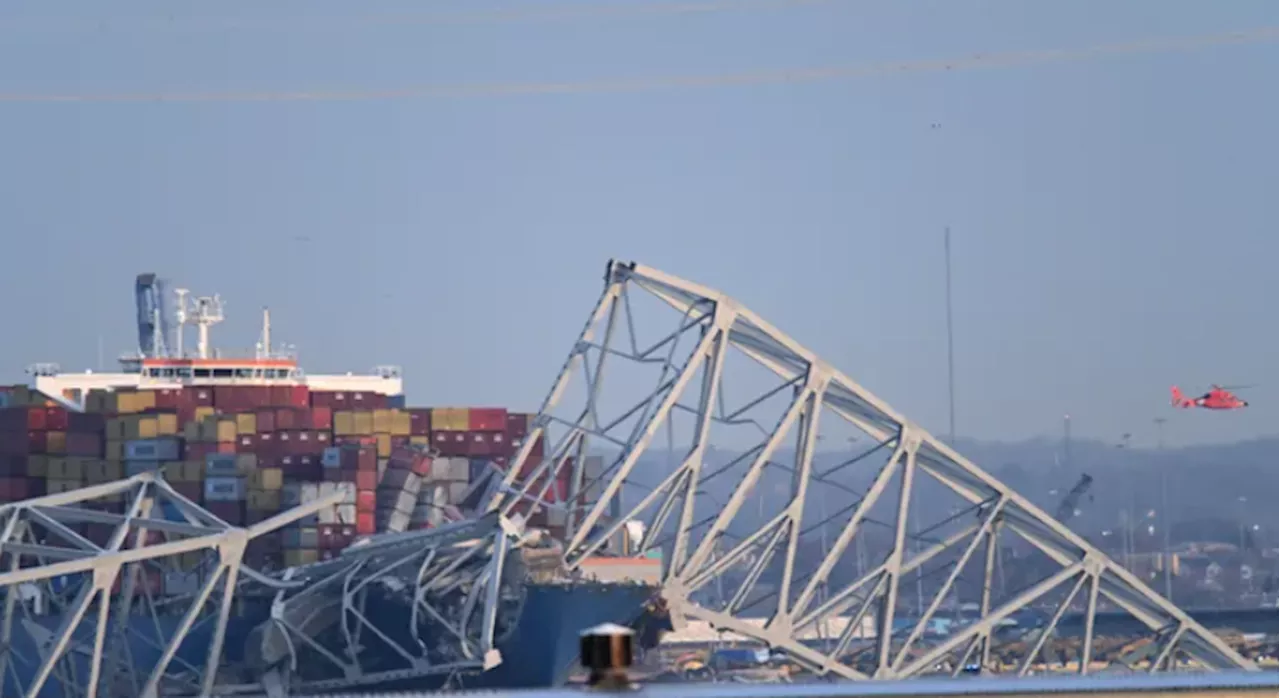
column 163, row 361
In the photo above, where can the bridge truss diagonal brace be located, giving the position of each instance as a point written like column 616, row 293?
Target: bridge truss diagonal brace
column 697, row 559
column 72, row 554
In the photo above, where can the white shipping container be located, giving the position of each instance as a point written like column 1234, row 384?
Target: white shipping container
column 348, row 490
column 331, row 458
column 347, row 514
column 455, row 491
column 327, row 515
column 152, row 449
column 310, row 492
column 224, row 489
column 397, row 522
column 327, row 488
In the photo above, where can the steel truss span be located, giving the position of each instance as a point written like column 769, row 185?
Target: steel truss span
column 105, row 629
column 835, row 529
column 395, row 608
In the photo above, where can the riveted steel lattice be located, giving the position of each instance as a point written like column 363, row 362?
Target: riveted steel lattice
column 396, row 607
column 108, row 615
column 834, row 528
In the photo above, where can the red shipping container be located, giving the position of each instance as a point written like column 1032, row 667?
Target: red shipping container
column 88, row 445
column 480, row 443
column 15, row 419
column 227, row 398
column 366, row 479
column 286, row 419
column 359, row 458
column 528, row 466
column 420, row 421
column 297, row 396
column 191, row 490
column 37, row 442
column 13, row 489
column 55, row 419
column 169, row 398
column 200, row 397
column 366, row 500
column 246, row 443
column 230, row 512
column 517, row 423
column 321, row 418
column 355, row 441
column 488, row 419
column 323, row 399
column 365, row 524
column 266, row 421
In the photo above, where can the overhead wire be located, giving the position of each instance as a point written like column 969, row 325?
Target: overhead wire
column 627, row 85
column 524, row 14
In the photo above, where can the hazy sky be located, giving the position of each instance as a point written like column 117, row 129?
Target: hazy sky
column 1114, row 219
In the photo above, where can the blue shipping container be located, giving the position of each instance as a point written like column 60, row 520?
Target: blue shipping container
column 168, row 448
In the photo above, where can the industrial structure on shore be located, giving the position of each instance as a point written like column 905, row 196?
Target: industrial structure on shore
column 209, row 525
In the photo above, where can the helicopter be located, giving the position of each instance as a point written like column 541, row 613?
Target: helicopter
column 1218, row 398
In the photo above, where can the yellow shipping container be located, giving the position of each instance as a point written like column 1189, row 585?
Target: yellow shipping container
column 114, row 450
column 55, row 442
column 263, row 500
column 382, row 421
column 343, row 423
column 401, row 423
column 266, row 479
column 203, row 413
column 353, row 423
column 246, row 423
column 166, row 424
column 420, row 440
column 384, row 445
column 246, row 463
column 140, row 427
column 124, row 403
column 144, row 400
column 450, row 418
column 115, row 429
column 112, row 470
column 218, row 430
column 297, row 558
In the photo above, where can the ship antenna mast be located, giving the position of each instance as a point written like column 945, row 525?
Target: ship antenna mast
column 264, row 345
column 181, row 317
column 208, row 311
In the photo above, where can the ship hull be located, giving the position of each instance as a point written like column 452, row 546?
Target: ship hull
column 541, row 651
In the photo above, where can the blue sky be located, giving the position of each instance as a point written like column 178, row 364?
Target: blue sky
column 1114, row 219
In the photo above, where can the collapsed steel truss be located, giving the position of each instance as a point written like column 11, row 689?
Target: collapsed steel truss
column 874, row 635
column 49, row 564
column 402, row 606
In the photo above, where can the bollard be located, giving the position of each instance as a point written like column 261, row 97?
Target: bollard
column 607, row 653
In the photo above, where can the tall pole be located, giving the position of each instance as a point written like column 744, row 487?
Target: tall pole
column 1164, row 507
column 951, row 362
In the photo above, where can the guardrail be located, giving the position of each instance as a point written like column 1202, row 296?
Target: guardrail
column 608, row 653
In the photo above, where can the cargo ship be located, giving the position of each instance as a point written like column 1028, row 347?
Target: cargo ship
column 247, row 436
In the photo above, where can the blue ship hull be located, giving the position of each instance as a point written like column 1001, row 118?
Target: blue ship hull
column 541, row 651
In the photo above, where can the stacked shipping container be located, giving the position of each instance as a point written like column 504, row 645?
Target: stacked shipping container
column 247, row 452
